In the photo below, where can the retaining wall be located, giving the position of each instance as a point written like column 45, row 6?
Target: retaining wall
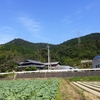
column 56, row 74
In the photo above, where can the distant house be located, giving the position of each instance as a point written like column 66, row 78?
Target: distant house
column 30, row 63
column 96, row 62
column 38, row 64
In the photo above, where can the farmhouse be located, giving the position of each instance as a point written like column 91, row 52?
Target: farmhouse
column 38, row 64
column 96, row 62
column 30, row 63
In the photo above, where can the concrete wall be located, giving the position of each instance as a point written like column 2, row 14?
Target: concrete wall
column 57, row 74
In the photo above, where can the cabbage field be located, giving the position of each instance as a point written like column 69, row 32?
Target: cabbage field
column 29, row 89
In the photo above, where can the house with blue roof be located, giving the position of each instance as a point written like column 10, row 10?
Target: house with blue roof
column 96, row 62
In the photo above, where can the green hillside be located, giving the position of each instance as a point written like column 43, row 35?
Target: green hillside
column 71, row 53
column 67, row 53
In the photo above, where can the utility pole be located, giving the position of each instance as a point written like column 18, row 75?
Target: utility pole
column 49, row 65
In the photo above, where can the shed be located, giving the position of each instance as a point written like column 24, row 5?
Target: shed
column 96, row 62
column 61, row 67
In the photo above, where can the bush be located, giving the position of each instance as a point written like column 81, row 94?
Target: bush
column 33, row 68
column 27, row 69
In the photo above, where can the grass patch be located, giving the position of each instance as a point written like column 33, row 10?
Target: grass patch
column 88, row 78
column 3, row 75
column 6, row 75
column 58, row 96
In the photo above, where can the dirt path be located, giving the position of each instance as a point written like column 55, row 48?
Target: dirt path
column 71, row 92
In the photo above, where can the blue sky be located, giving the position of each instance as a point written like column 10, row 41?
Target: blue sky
column 48, row 21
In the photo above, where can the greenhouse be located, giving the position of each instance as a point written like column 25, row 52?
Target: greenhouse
column 96, row 62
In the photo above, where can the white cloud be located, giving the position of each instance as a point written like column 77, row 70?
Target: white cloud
column 67, row 20
column 6, row 34
column 79, row 14
column 88, row 7
column 6, row 38
column 34, row 28
column 30, row 24
column 6, row 29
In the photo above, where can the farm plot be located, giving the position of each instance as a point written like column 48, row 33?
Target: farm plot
column 29, row 89
column 92, row 87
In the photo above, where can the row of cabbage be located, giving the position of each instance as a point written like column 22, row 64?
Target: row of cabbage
column 29, row 89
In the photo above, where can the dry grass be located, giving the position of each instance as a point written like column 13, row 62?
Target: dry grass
column 68, row 92
column 71, row 92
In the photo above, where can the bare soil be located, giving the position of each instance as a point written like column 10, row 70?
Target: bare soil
column 71, row 92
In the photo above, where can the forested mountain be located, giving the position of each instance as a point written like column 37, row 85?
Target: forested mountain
column 67, row 53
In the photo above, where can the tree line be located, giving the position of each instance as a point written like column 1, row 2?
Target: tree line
column 67, row 53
